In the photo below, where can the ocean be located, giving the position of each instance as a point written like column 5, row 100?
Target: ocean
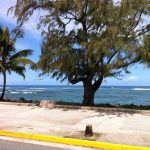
column 106, row 94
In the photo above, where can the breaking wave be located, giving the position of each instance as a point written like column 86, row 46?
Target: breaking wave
column 29, row 92
column 37, row 88
column 14, row 92
column 141, row 89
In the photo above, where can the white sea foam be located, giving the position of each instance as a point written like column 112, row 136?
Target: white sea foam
column 141, row 89
column 69, row 88
column 29, row 92
column 38, row 88
column 22, row 90
column 14, row 92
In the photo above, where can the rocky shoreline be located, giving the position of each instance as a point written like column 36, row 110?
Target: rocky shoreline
column 50, row 103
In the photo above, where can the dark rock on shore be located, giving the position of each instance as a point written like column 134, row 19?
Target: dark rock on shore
column 22, row 99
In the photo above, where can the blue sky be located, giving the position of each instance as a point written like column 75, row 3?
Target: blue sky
column 140, row 74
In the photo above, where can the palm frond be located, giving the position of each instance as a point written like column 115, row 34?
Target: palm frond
column 1, row 66
column 22, row 53
column 17, row 33
column 24, row 62
column 14, row 61
column 19, row 70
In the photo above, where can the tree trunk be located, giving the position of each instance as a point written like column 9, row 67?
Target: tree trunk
column 89, row 91
column 88, row 98
column 88, row 131
column 4, row 85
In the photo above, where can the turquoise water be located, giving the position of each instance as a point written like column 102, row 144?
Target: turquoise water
column 108, row 94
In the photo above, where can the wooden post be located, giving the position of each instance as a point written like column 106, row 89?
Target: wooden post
column 88, row 131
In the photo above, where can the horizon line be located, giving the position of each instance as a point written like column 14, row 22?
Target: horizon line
column 70, row 85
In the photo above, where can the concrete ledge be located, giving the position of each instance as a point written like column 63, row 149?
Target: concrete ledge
column 70, row 141
column 50, row 105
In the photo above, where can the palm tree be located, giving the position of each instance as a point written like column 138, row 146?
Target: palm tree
column 10, row 59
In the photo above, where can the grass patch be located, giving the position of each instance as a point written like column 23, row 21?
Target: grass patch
column 80, row 135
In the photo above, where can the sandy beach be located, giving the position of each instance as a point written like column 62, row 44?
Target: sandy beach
column 108, row 126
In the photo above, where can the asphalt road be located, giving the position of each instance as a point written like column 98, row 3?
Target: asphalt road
column 13, row 145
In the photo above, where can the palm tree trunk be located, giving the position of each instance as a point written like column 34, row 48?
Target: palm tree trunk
column 4, row 85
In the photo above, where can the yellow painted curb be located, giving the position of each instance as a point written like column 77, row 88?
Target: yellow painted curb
column 70, row 141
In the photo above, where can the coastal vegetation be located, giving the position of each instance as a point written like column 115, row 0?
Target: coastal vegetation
column 106, row 105
column 10, row 58
column 88, row 41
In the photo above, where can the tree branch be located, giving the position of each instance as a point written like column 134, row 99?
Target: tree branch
column 113, row 55
column 97, row 84
column 75, row 80
column 127, row 64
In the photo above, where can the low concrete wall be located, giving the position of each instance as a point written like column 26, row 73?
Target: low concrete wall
column 51, row 104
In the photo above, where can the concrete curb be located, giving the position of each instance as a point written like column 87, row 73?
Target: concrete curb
column 70, row 141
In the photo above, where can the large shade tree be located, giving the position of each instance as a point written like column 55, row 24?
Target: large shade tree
column 10, row 59
column 88, row 40
column 145, row 58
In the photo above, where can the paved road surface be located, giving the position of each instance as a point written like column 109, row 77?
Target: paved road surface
column 13, row 145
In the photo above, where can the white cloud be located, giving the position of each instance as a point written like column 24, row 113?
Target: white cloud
column 29, row 26
column 132, row 78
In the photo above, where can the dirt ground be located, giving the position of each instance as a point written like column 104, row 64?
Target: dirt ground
column 115, row 127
